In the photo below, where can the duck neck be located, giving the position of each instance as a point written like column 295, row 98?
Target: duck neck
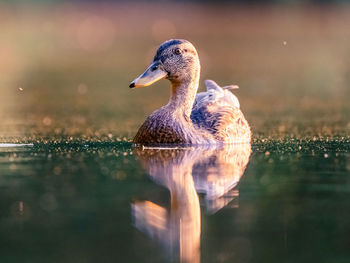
column 183, row 94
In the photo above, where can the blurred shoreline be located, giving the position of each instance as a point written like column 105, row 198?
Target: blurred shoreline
column 66, row 66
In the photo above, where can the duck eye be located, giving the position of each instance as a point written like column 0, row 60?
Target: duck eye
column 177, row 51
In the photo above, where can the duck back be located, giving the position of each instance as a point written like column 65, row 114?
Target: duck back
column 217, row 111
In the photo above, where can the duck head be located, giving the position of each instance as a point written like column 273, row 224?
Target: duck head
column 176, row 60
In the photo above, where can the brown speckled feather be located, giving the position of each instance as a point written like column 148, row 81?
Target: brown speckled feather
column 211, row 117
column 215, row 111
column 165, row 127
column 159, row 127
column 225, row 123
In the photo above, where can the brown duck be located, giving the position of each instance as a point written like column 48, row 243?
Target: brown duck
column 211, row 117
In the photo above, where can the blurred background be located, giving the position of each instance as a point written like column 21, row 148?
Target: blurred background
column 65, row 66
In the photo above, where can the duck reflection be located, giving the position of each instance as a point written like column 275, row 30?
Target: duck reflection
column 213, row 172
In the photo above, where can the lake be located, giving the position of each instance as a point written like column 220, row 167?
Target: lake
column 75, row 189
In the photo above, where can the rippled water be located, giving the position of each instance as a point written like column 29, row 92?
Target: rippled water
column 110, row 202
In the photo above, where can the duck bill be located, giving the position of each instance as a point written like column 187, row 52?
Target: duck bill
column 152, row 74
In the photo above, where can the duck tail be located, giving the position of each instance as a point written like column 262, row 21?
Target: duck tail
column 231, row 87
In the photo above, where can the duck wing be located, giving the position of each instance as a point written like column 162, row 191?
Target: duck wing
column 217, row 111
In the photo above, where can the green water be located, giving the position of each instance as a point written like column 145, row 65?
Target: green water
column 75, row 202
column 82, row 193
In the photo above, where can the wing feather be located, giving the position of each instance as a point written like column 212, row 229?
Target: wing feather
column 217, row 111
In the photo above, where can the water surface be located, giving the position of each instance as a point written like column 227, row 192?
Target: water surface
column 79, row 192
column 111, row 202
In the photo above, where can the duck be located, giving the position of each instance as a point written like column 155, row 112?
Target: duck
column 190, row 118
